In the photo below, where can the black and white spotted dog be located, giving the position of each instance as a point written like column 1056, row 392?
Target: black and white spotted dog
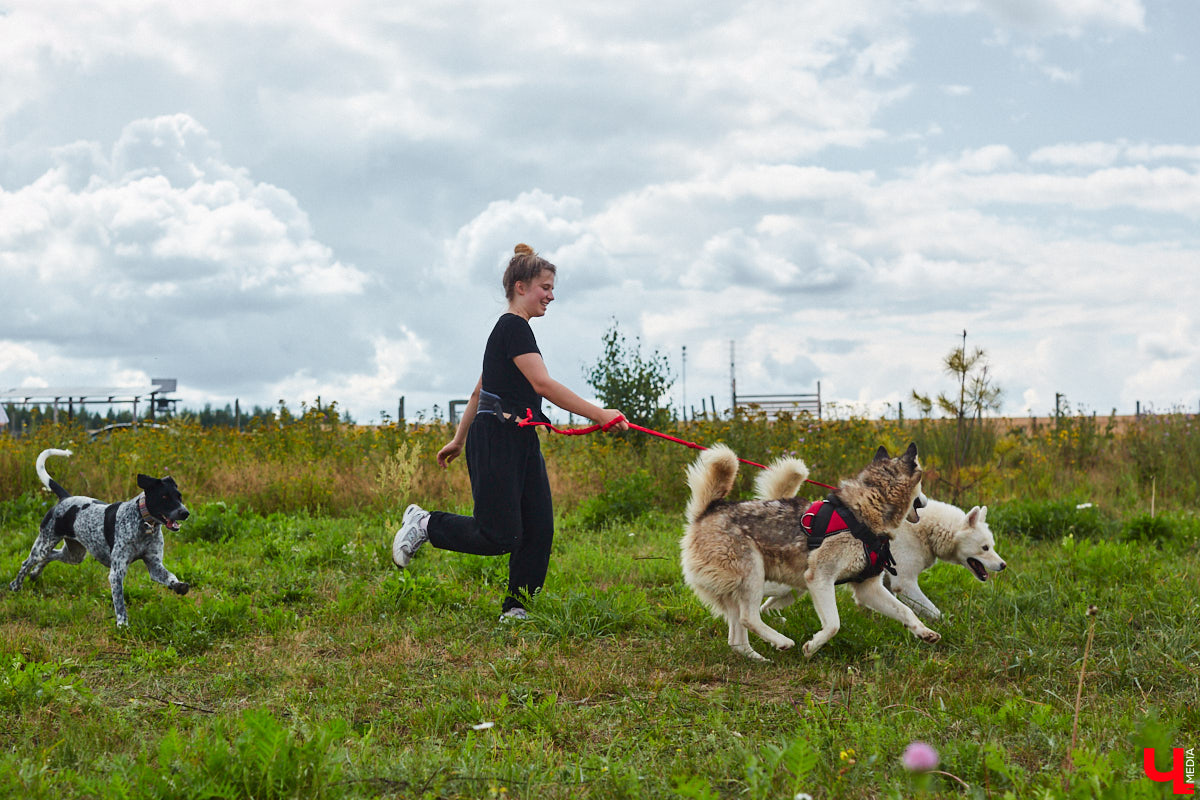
column 116, row 534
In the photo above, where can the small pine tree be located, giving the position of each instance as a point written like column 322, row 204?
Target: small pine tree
column 977, row 394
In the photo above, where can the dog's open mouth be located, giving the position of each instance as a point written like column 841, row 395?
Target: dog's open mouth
column 978, row 568
column 171, row 525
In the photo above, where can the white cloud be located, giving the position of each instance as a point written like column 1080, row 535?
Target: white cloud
column 1044, row 17
column 15, row 357
column 1161, row 152
column 883, row 58
column 167, row 212
column 535, row 218
column 1084, row 154
column 375, row 389
column 164, row 251
column 308, row 198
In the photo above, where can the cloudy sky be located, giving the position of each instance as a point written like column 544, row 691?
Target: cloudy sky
column 284, row 200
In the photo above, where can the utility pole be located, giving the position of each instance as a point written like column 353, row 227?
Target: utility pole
column 684, row 380
column 732, row 380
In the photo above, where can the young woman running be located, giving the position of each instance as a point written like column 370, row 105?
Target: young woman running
column 513, row 511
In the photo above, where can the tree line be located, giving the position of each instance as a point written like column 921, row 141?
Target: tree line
column 28, row 418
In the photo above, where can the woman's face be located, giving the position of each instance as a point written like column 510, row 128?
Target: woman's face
column 533, row 297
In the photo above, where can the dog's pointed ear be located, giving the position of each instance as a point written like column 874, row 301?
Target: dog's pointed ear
column 145, row 482
column 910, row 455
column 982, row 514
column 881, row 454
column 973, row 516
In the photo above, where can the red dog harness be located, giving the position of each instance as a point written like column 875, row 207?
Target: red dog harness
column 830, row 517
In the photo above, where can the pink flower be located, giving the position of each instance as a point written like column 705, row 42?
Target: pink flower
column 919, row 757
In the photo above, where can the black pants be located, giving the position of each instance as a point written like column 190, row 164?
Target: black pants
column 513, row 510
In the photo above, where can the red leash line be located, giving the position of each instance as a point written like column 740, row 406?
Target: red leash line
column 528, row 421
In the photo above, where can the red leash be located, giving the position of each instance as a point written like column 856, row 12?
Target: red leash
column 593, row 428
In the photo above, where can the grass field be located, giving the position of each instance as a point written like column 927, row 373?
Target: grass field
column 302, row 664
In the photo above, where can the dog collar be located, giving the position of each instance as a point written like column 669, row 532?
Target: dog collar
column 830, row 516
column 148, row 519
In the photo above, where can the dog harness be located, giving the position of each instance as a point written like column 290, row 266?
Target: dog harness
column 829, row 517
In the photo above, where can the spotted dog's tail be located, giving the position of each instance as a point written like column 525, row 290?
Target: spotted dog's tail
column 47, row 481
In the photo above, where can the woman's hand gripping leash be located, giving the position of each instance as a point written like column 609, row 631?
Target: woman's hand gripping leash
column 614, row 420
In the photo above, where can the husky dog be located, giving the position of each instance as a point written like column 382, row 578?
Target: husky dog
column 730, row 549
column 944, row 533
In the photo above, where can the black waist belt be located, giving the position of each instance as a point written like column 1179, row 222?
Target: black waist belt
column 490, row 404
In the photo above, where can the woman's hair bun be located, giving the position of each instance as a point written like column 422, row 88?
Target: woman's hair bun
column 524, row 267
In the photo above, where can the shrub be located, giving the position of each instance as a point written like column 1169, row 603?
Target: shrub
column 25, row 684
column 1051, row 519
column 24, row 511
column 623, row 500
column 1145, row 528
column 213, row 522
column 625, row 380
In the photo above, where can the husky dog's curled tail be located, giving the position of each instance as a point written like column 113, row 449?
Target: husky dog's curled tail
column 781, row 479
column 710, row 477
column 47, row 481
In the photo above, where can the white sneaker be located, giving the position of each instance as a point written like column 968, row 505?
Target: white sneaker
column 514, row 613
column 410, row 536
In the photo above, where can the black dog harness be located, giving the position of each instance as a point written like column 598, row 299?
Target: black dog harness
column 829, row 517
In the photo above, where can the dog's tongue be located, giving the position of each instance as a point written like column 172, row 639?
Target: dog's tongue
column 171, row 525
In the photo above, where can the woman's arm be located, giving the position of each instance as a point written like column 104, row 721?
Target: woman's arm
column 534, row 369
column 455, row 445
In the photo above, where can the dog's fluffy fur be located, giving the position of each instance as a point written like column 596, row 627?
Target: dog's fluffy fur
column 730, row 549
column 944, row 533
column 115, row 534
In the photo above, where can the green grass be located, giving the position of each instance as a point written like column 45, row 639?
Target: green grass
column 302, row 665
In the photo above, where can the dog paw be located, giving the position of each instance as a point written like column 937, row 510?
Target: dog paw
column 809, row 649
column 929, row 636
column 750, row 653
column 180, row 588
column 786, row 644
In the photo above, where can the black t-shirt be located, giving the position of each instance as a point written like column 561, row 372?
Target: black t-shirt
column 511, row 337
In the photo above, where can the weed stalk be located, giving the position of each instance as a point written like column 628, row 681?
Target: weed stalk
column 1087, row 648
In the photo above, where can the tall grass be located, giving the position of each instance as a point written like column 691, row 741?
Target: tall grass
column 313, row 465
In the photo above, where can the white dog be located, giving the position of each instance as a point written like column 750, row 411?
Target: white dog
column 944, row 532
